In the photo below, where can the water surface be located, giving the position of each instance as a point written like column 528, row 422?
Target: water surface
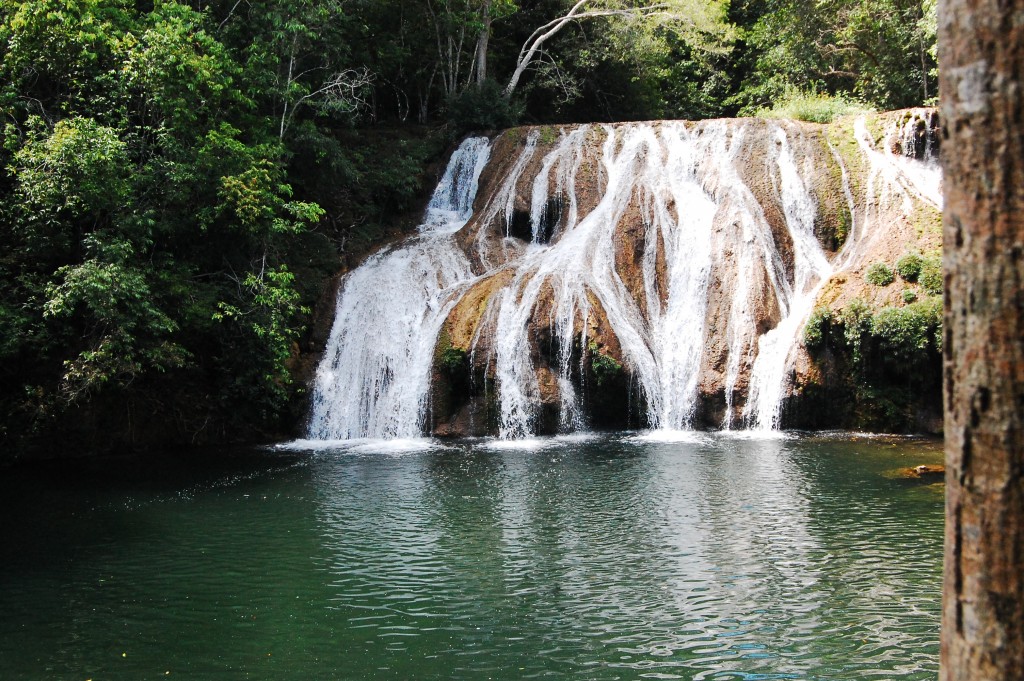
column 614, row 557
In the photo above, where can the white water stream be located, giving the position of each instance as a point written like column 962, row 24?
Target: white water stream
column 810, row 269
column 374, row 378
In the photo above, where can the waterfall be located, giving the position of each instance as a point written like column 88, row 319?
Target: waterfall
column 811, row 268
column 662, row 343
column 663, row 337
column 685, row 256
column 374, row 377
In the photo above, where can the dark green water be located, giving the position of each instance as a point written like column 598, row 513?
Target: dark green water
column 611, row 558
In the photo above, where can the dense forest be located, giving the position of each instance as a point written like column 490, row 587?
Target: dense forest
column 180, row 181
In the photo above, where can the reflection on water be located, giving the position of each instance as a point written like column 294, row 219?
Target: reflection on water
column 619, row 557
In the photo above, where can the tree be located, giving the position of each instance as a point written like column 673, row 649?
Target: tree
column 148, row 214
column 490, row 11
column 881, row 51
column 981, row 54
column 701, row 23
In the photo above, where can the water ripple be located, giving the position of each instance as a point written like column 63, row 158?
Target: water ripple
column 598, row 558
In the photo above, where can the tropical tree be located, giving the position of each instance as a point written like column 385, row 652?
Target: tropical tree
column 146, row 215
column 700, row 23
column 881, row 51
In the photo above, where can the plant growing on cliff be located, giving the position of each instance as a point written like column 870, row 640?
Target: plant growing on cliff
column 856, row 321
column 879, row 274
column 887, row 362
column 813, row 107
column 931, row 276
column 452, row 360
column 909, row 266
column 816, row 330
column 549, row 135
column 604, row 366
column 904, row 333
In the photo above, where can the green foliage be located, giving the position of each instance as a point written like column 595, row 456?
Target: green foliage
column 856, row 322
column 452, row 360
column 904, row 333
column 671, row 63
column 549, row 135
column 816, row 329
column 884, row 407
column 605, row 367
column 263, row 313
column 909, row 295
column 878, row 51
column 931, row 276
column 77, row 171
column 483, row 107
column 885, row 363
column 175, row 69
column 909, row 266
column 148, row 214
column 59, row 50
column 127, row 333
column 879, row 274
column 813, row 107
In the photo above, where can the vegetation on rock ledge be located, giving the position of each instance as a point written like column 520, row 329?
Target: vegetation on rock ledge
column 882, row 364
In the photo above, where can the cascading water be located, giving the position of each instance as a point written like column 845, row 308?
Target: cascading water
column 662, row 343
column 687, row 252
column 684, row 184
column 810, row 268
column 374, row 377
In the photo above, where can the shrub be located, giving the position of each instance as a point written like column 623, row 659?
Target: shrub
column 909, row 295
column 813, row 107
column 452, row 359
column 909, row 266
column 931, row 276
column 483, row 107
column 856, row 319
column 879, row 274
column 549, row 135
column 816, row 328
column 905, row 332
column 603, row 366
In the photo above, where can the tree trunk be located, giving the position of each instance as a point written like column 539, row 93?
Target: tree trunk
column 981, row 70
column 482, row 45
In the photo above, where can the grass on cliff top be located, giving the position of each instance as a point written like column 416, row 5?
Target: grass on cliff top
column 813, row 107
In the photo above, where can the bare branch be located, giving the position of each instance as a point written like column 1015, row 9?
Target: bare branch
column 230, row 14
column 577, row 13
column 344, row 91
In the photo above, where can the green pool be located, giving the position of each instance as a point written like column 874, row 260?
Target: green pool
column 694, row 556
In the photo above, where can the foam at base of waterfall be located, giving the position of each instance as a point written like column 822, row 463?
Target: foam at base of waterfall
column 671, row 436
column 395, row 447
